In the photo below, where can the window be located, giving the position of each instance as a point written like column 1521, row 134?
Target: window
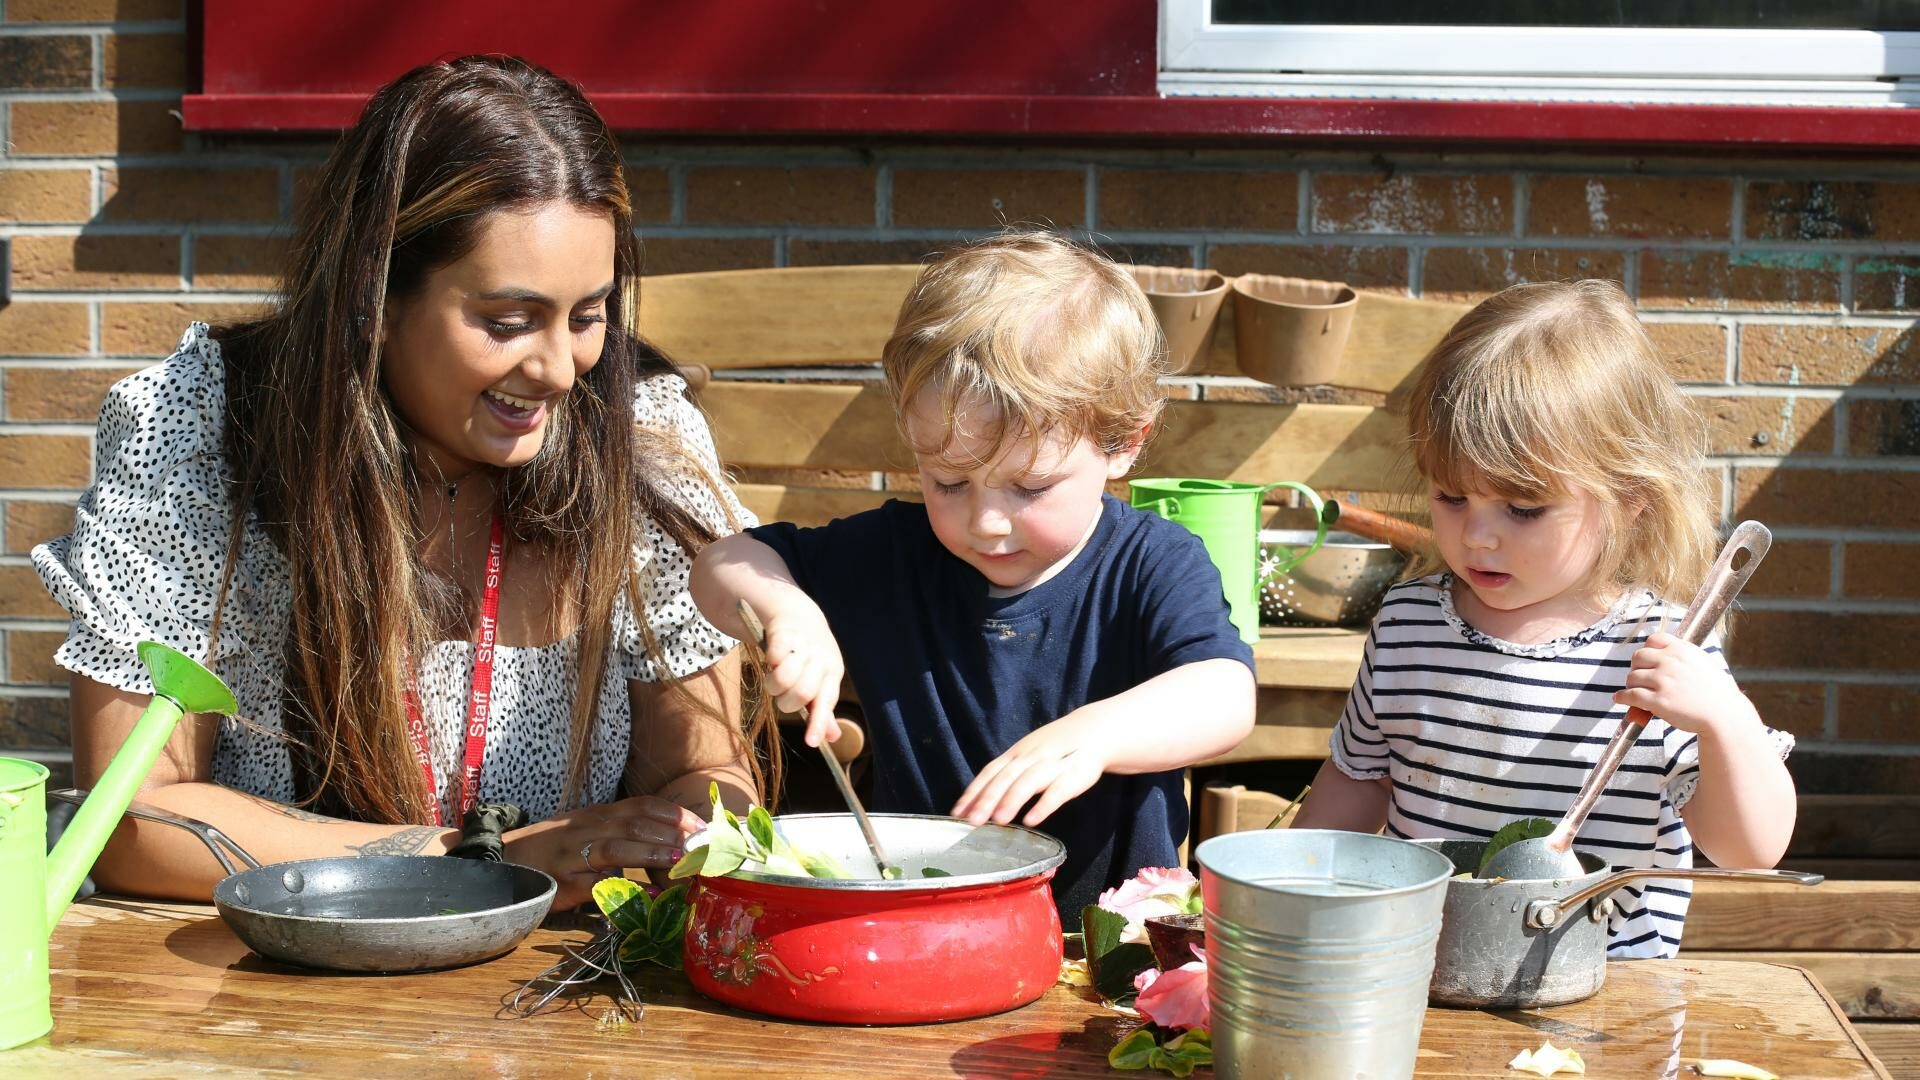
column 1762, row 52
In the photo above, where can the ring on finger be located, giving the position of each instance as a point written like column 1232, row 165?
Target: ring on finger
column 586, row 856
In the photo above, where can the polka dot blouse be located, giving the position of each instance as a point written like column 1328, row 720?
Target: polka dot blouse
column 144, row 559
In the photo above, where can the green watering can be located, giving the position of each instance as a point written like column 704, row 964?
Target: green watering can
column 36, row 886
column 1226, row 516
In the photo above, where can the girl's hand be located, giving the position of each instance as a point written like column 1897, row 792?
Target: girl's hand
column 1678, row 682
column 644, row 831
column 804, row 668
column 1055, row 763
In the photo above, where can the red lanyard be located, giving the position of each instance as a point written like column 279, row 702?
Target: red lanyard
column 481, row 704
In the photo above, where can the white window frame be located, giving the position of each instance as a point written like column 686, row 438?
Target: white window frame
column 1525, row 63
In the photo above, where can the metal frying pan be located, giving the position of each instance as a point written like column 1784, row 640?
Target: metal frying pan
column 368, row 913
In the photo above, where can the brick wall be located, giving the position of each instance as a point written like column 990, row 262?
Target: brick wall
column 1784, row 292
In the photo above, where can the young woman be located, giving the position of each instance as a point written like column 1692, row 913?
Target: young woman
column 431, row 520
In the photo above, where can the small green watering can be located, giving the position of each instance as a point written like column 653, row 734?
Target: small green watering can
column 36, row 886
column 1226, row 516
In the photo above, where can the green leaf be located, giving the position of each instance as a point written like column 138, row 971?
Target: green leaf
column 891, row 873
column 933, row 871
column 692, row 864
column 623, row 903
column 1112, row 963
column 821, row 865
column 1512, row 833
column 726, row 850
column 1134, row 1051
column 760, row 825
column 667, row 922
column 1195, row 1045
column 636, row 949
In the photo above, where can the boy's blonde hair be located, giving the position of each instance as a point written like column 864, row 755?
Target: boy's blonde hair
column 1046, row 335
column 1555, row 387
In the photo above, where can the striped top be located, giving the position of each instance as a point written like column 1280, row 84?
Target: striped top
column 1476, row 732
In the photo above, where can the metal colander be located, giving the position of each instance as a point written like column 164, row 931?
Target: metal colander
column 1339, row 585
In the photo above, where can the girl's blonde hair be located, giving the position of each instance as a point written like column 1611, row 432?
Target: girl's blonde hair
column 1045, row 335
column 1555, row 387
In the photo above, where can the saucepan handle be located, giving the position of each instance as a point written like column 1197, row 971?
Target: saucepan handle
column 1544, row 914
column 217, row 842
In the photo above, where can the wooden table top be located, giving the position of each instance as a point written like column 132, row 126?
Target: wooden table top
column 152, row 989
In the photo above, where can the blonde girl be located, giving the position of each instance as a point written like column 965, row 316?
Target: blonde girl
column 1571, row 522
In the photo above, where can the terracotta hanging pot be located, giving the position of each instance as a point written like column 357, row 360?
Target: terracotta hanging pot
column 1187, row 303
column 1291, row 331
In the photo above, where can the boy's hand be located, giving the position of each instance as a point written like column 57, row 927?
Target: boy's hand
column 1056, row 763
column 1677, row 681
column 804, row 668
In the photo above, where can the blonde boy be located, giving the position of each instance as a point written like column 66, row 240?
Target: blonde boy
column 1021, row 640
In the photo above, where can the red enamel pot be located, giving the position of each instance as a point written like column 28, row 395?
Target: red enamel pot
column 868, row 951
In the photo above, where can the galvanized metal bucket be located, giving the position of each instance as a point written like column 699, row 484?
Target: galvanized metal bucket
column 1320, row 946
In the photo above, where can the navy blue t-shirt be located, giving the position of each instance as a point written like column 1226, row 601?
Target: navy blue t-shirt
column 950, row 678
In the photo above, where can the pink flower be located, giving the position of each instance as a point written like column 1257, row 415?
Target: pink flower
column 1175, row 999
column 1152, row 892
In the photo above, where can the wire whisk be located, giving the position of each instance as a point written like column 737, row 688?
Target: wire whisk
column 584, row 965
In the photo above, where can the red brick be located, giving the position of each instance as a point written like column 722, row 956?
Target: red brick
column 1879, row 713
column 1826, row 640
column 95, row 128
column 1832, row 210
column 1417, row 204
column 802, row 252
column 650, row 191
column 741, row 195
column 984, row 198
column 30, row 656
column 45, row 329
column 31, row 523
column 1883, row 428
column 1361, row 267
column 34, row 723
column 95, row 261
column 694, row 254
column 1693, row 352
column 1472, row 274
column 155, row 329
column 192, row 195
column 1829, row 355
column 1802, row 568
column 45, row 195
column 92, row 10
column 1882, row 284
column 50, row 393
column 238, row 262
column 22, row 596
column 53, row 62
column 145, row 60
column 1773, row 426
column 1194, row 199
column 1796, row 707
column 1654, row 207
column 1717, row 281
column 46, row 461
column 1840, row 498
column 1881, row 571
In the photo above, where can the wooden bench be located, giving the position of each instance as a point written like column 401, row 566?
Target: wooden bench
column 801, row 419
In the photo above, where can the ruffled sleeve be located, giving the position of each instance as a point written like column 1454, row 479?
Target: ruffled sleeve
column 688, row 469
column 149, row 538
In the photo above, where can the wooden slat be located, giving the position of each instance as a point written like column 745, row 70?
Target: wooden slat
column 1351, row 447
column 1868, row 985
column 1856, row 869
column 809, row 507
column 1239, row 809
column 1896, row 1045
column 775, row 318
column 1848, row 915
column 1876, row 826
column 1309, row 657
column 1288, row 725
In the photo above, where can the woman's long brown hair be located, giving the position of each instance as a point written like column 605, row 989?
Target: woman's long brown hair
column 320, row 456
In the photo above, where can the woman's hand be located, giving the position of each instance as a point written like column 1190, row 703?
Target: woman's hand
column 1051, row 765
column 581, row 847
column 1678, row 682
column 804, row 667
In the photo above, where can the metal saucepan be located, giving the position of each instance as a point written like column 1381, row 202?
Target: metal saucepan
column 368, row 913
column 1530, row 944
